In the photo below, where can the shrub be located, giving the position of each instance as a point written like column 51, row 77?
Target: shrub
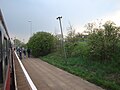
column 81, row 49
column 41, row 43
column 103, row 42
column 77, row 49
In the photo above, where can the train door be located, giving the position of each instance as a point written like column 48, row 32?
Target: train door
column 1, row 69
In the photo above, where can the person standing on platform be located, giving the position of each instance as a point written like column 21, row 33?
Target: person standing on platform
column 29, row 52
column 24, row 52
column 20, row 53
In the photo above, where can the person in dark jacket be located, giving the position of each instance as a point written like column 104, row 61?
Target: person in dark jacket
column 24, row 52
column 29, row 52
column 20, row 53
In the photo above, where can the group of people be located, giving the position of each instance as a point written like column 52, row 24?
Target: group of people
column 23, row 52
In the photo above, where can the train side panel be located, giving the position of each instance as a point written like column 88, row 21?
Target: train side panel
column 5, row 56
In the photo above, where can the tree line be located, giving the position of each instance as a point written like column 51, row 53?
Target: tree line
column 100, row 43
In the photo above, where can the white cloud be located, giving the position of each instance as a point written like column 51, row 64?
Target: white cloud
column 113, row 16
column 79, row 28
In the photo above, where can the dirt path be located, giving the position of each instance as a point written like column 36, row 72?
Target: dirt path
column 48, row 77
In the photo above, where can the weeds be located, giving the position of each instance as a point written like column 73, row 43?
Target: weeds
column 106, row 75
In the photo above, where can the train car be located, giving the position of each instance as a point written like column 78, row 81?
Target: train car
column 5, row 56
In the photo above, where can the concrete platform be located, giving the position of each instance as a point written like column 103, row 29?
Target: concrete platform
column 48, row 77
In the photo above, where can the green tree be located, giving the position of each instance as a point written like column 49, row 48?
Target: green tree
column 103, row 41
column 75, row 43
column 41, row 44
column 70, row 40
column 17, row 42
column 71, row 36
column 57, row 43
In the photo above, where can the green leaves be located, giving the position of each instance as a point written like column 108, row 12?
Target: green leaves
column 104, row 41
column 102, row 74
column 41, row 43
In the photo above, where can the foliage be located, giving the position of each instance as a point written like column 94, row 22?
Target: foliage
column 18, row 43
column 80, row 49
column 103, row 42
column 77, row 49
column 75, row 44
column 73, row 37
column 57, row 42
column 105, row 75
column 41, row 43
column 71, row 34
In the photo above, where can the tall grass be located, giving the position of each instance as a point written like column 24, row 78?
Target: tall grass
column 106, row 75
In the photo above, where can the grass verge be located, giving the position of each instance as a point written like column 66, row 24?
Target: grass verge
column 106, row 75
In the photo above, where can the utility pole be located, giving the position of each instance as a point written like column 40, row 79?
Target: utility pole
column 62, row 38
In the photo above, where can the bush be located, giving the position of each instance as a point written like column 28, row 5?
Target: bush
column 77, row 49
column 106, row 75
column 41, row 44
column 103, row 42
column 81, row 49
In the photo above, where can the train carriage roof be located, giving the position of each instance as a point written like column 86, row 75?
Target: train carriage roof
column 3, row 22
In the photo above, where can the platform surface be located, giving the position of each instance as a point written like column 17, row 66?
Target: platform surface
column 49, row 77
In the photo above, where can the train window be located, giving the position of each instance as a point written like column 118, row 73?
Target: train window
column 5, row 51
column 0, row 47
column 5, row 58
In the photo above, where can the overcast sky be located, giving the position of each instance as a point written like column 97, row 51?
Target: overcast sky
column 43, row 14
